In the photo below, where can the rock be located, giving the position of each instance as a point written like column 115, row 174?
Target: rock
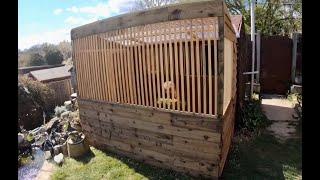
column 74, row 95
column 56, row 149
column 58, row 158
column 20, row 138
column 68, row 105
column 52, row 123
column 65, row 114
column 47, row 155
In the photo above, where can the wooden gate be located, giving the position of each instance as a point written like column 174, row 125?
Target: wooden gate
column 276, row 61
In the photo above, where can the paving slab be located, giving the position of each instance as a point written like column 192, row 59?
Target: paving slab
column 280, row 111
column 46, row 171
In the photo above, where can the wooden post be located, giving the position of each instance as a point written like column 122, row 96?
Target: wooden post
column 294, row 57
column 220, row 66
column 258, row 55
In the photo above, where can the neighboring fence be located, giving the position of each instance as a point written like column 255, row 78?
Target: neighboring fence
column 63, row 90
column 276, row 62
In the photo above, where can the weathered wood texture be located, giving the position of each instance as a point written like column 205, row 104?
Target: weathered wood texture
column 184, row 143
column 62, row 89
column 213, row 8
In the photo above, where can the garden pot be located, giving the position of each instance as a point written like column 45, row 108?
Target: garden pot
column 77, row 149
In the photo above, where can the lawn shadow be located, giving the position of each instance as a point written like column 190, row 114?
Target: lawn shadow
column 85, row 158
column 264, row 157
column 148, row 171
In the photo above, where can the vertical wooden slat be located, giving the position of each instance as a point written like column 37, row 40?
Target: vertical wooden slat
column 181, row 70
column 92, row 67
column 112, row 69
column 204, row 71
column 176, row 60
column 125, row 66
column 102, row 74
column 215, row 78
column 96, row 66
column 130, row 71
column 122, row 67
column 104, row 64
column 90, row 64
column 119, row 62
column 193, row 71
column 141, row 65
column 117, row 69
column 148, row 59
column 157, row 65
column 133, row 81
column 166, row 64
column 210, row 76
column 198, row 74
column 108, row 68
column 83, row 71
column 153, row 69
column 162, row 39
column 87, row 61
column 137, row 66
column 144, row 67
column 127, row 63
column 171, row 65
column 188, row 70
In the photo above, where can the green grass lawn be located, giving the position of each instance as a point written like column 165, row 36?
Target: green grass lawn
column 105, row 165
column 262, row 157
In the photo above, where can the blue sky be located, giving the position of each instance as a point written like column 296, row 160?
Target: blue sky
column 50, row 21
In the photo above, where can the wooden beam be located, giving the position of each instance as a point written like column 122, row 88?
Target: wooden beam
column 160, row 14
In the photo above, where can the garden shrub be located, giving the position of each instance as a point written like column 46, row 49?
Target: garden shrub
column 252, row 119
column 34, row 98
column 59, row 110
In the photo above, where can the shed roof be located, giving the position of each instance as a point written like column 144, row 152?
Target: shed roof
column 51, row 74
column 236, row 22
column 24, row 70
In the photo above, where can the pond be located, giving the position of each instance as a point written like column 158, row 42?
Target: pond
column 30, row 170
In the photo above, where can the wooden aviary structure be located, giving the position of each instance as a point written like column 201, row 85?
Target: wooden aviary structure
column 160, row 85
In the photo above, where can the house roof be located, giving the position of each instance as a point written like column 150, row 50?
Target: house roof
column 25, row 70
column 51, row 74
column 236, row 22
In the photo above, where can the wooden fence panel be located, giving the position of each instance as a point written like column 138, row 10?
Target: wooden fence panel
column 170, row 65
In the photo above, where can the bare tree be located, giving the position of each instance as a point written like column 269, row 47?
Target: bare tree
column 146, row 4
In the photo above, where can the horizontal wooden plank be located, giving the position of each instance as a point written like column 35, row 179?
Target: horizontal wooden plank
column 96, row 105
column 171, row 12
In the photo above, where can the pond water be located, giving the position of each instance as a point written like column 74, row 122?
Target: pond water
column 30, row 170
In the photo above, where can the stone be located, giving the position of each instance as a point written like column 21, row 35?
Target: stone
column 52, row 123
column 74, row 95
column 20, row 138
column 47, row 155
column 58, row 158
column 65, row 114
column 68, row 105
column 56, row 149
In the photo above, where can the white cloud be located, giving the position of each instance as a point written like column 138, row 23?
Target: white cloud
column 104, row 9
column 79, row 20
column 57, row 11
column 73, row 9
column 53, row 37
